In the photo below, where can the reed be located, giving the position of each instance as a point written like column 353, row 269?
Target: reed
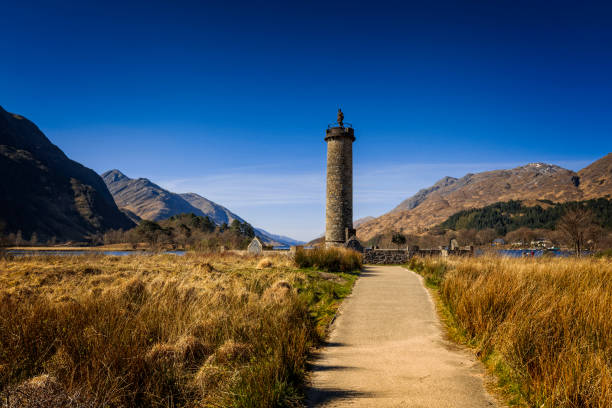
column 329, row 259
column 544, row 325
column 162, row 330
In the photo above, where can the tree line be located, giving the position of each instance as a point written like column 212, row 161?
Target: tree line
column 184, row 231
column 511, row 215
column 583, row 225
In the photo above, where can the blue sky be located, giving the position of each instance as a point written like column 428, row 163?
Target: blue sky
column 230, row 99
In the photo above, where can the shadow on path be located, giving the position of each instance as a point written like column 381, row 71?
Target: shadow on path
column 316, row 397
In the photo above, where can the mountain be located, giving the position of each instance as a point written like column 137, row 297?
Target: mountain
column 42, row 191
column 534, row 181
column 596, row 178
column 278, row 238
column 216, row 212
column 146, row 200
column 363, row 220
column 151, row 202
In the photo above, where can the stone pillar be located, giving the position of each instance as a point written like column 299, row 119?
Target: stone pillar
column 339, row 204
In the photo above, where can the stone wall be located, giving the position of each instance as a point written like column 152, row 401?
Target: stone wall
column 385, row 256
column 402, row 256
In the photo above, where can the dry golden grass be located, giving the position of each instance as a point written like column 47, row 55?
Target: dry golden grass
column 329, row 259
column 162, row 330
column 546, row 324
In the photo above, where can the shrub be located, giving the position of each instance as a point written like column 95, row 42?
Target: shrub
column 329, row 259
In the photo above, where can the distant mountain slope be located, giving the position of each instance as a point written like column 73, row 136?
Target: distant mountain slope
column 144, row 198
column 362, row 221
column 149, row 201
column 44, row 192
column 596, row 178
column 534, row 181
column 216, row 212
column 278, row 238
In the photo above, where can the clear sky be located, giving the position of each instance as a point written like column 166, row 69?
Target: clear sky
column 231, row 99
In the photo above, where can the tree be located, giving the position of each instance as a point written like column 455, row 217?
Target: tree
column 523, row 235
column 486, row 236
column 235, row 226
column 398, row 239
column 575, row 225
column 467, row 236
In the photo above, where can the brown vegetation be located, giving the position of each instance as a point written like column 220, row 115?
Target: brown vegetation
column 329, row 259
column 543, row 325
column 536, row 181
column 161, row 330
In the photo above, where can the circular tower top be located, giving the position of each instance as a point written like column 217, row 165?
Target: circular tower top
column 340, row 129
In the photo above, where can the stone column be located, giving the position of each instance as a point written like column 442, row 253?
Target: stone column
column 339, row 204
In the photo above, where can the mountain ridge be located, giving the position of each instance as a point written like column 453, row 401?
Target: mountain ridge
column 432, row 205
column 43, row 191
column 148, row 200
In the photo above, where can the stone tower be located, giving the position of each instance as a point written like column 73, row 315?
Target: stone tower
column 339, row 205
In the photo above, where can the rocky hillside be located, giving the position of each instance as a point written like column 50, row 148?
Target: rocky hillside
column 149, row 201
column 44, row 192
column 531, row 182
column 596, row 179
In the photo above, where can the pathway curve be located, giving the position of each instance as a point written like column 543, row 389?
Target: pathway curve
column 386, row 349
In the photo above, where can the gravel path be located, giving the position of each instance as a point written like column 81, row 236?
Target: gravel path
column 387, row 349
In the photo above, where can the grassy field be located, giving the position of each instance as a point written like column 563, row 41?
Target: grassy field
column 217, row 330
column 544, row 326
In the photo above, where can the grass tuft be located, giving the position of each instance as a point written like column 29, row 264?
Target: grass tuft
column 542, row 326
column 329, row 259
column 160, row 330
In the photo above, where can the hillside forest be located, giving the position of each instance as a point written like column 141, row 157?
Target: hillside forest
column 515, row 223
column 182, row 231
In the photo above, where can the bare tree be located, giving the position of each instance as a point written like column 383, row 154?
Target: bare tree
column 523, row 235
column 595, row 237
column 486, row 236
column 575, row 226
column 467, row 236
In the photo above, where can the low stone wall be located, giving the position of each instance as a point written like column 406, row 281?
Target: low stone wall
column 385, row 256
column 402, row 256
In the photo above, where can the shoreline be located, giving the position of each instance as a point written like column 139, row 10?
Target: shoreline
column 74, row 248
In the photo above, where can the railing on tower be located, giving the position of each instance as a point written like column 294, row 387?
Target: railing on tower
column 336, row 124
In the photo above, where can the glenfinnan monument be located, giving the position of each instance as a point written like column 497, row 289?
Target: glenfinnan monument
column 339, row 207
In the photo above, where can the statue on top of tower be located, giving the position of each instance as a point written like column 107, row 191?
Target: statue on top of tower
column 340, row 118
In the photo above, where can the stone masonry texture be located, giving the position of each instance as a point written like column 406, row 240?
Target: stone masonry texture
column 339, row 203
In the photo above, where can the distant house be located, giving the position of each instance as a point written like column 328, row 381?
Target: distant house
column 542, row 243
column 255, row 247
column 498, row 242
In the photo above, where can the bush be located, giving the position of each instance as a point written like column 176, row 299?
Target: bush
column 329, row 259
